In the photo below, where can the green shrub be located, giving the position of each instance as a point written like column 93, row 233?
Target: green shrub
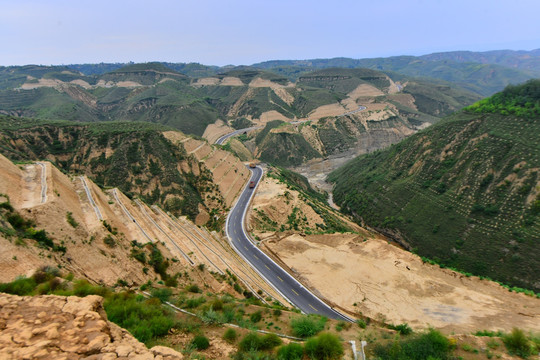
column 308, row 325
column 488, row 333
column 71, row 220
column 171, row 281
column 109, row 241
column 325, row 346
column 200, row 342
column 230, row 335
column 343, row 325
column 518, row 344
column 193, row 289
column 361, row 323
column 195, row 302
column 45, row 273
column 420, row 347
column 250, row 342
column 403, row 329
column 255, row 317
column 18, row 222
column 270, row 341
column 163, row 294
column 20, row 286
column 291, row 351
column 84, row 288
column 217, row 304
column 210, row 316
column 144, row 319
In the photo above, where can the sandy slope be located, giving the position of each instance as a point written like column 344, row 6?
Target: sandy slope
column 88, row 256
column 387, row 283
column 362, row 273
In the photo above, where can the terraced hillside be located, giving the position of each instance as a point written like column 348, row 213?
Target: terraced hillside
column 152, row 162
column 51, row 219
column 156, row 92
column 369, row 111
column 464, row 192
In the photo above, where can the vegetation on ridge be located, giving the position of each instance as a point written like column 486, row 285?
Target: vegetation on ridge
column 140, row 160
column 463, row 192
column 523, row 101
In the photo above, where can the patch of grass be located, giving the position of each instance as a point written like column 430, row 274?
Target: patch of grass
column 429, row 345
column 194, row 302
column 325, row 346
column 200, row 342
column 291, row 351
column 488, row 333
column 307, row 325
column 230, row 335
column 71, row 220
column 144, row 319
column 163, row 294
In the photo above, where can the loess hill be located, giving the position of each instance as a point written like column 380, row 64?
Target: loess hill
column 141, row 159
column 464, row 192
column 353, row 110
column 203, row 99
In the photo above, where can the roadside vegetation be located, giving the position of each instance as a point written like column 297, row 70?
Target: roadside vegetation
column 150, row 321
column 313, row 198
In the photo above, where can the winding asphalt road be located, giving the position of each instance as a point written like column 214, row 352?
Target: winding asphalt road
column 284, row 283
column 222, row 139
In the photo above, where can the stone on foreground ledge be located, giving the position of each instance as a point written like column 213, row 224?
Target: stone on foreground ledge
column 60, row 327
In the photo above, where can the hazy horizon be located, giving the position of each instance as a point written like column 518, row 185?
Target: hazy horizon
column 242, row 33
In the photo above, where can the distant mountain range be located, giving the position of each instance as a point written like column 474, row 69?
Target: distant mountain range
column 499, row 67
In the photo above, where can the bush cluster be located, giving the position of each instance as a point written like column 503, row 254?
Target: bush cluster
column 308, row 325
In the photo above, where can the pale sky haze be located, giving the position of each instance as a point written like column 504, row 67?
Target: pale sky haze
column 244, row 32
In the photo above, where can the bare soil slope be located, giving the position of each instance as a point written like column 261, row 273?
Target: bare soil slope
column 104, row 252
column 363, row 274
column 386, row 283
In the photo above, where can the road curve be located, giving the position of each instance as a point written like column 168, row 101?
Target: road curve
column 225, row 137
column 284, row 283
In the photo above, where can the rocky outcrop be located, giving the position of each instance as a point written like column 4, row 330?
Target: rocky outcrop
column 59, row 327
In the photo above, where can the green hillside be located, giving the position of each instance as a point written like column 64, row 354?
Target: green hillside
column 526, row 60
column 464, row 192
column 158, row 93
column 283, row 148
column 140, row 161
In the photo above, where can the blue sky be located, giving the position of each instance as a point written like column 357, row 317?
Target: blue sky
column 248, row 31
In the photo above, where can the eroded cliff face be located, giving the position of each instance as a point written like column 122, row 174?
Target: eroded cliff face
column 59, row 327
